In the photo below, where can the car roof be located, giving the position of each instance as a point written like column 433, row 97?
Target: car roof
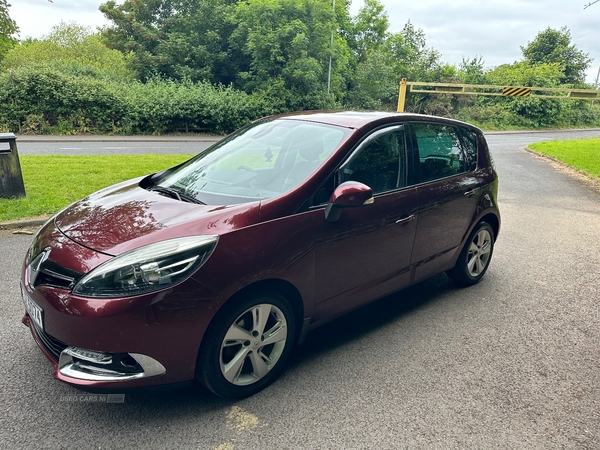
column 358, row 119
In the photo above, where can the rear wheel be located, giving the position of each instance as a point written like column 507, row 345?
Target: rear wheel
column 246, row 346
column 475, row 257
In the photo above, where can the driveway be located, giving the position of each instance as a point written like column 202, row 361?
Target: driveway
column 513, row 362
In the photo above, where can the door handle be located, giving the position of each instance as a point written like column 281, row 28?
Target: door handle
column 406, row 219
column 471, row 193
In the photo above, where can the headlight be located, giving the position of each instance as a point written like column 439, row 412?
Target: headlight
column 147, row 269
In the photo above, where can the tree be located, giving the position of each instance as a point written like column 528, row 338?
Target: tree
column 8, row 29
column 526, row 74
column 287, row 43
column 70, row 48
column 554, row 46
column 375, row 84
column 472, row 71
column 175, row 39
column 280, row 47
column 369, row 29
column 532, row 112
column 386, row 58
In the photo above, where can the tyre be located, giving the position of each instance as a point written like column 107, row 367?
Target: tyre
column 246, row 346
column 475, row 257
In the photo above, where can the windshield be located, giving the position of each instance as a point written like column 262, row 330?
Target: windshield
column 257, row 162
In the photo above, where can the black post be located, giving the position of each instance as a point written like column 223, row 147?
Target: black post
column 11, row 178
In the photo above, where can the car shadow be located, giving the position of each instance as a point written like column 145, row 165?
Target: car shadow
column 368, row 318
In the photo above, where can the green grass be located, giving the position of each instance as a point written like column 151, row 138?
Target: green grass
column 582, row 154
column 52, row 182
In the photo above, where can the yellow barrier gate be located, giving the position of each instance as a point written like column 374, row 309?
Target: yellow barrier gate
column 491, row 90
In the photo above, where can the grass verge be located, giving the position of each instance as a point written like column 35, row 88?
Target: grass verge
column 51, row 182
column 581, row 154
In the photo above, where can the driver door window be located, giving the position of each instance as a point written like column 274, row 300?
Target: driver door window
column 379, row 162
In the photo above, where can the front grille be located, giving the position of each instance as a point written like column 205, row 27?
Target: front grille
column 53, row 345
column 52, row 274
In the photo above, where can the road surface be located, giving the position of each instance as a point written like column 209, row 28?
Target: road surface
column 513, row 362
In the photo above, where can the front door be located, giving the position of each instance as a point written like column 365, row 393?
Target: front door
column 366, row 253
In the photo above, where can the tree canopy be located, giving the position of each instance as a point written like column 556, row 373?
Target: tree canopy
column 554, row 46
column 175, row 39
column 183, row 65
column 285, row 45
column 8, row 29
column 72, row 48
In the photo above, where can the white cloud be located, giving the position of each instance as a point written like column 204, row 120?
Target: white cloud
column 496, row 30
column 36, row 18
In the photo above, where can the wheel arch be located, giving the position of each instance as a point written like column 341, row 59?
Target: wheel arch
column 274, row 286
column 494, row 222
column 277, row 285
column 490, row 217
column 282, row 287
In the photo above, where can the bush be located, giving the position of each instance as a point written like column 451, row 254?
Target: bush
column 42, row 99
column 162, row 106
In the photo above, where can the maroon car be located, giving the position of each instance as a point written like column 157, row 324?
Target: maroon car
column 213, row 270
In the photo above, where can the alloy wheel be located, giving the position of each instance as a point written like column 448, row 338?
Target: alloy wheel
column 253, row 344
column 479, row 253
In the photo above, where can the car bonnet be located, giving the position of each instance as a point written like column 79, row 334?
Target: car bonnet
column 125, row 216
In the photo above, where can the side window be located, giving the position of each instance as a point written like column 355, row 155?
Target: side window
column 470, row 146
column 440, row 152
column 379, row 162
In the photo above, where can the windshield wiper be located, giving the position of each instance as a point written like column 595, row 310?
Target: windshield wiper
column 174, row 193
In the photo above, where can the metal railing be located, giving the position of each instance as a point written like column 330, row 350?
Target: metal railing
column 491, row 90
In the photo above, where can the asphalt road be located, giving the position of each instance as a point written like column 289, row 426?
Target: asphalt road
column 70, row 147
column 513, row 362
column 92, row 145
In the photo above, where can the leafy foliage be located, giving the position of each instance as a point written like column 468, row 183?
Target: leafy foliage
column 554, row 46
column 211, row 65
column 388, row 59
column 51, row 98
column 8, row 29
column 160, row 106
column 70, row 48
column 472, row 71
column 278, row 47
column 175, row 39
column 287, row 46
column 369, row 29
column 42, row 99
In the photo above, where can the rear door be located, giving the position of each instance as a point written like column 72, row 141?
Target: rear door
column 448, row 189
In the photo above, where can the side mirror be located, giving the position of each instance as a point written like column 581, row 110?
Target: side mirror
column 350, row 194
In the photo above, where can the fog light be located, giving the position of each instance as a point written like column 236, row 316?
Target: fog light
column 89, row 355
column 92, row 365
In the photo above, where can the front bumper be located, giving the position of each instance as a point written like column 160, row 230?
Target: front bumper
column 79, row 366
column 118, row 344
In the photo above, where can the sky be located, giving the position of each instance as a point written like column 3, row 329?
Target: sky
column 492, row 29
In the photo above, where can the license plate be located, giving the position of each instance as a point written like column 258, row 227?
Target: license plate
column 35, row 312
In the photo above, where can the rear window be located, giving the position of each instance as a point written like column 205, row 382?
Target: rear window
column 441, row 154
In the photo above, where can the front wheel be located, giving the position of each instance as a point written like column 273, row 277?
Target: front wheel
column 475, row 257
column 246, row 346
